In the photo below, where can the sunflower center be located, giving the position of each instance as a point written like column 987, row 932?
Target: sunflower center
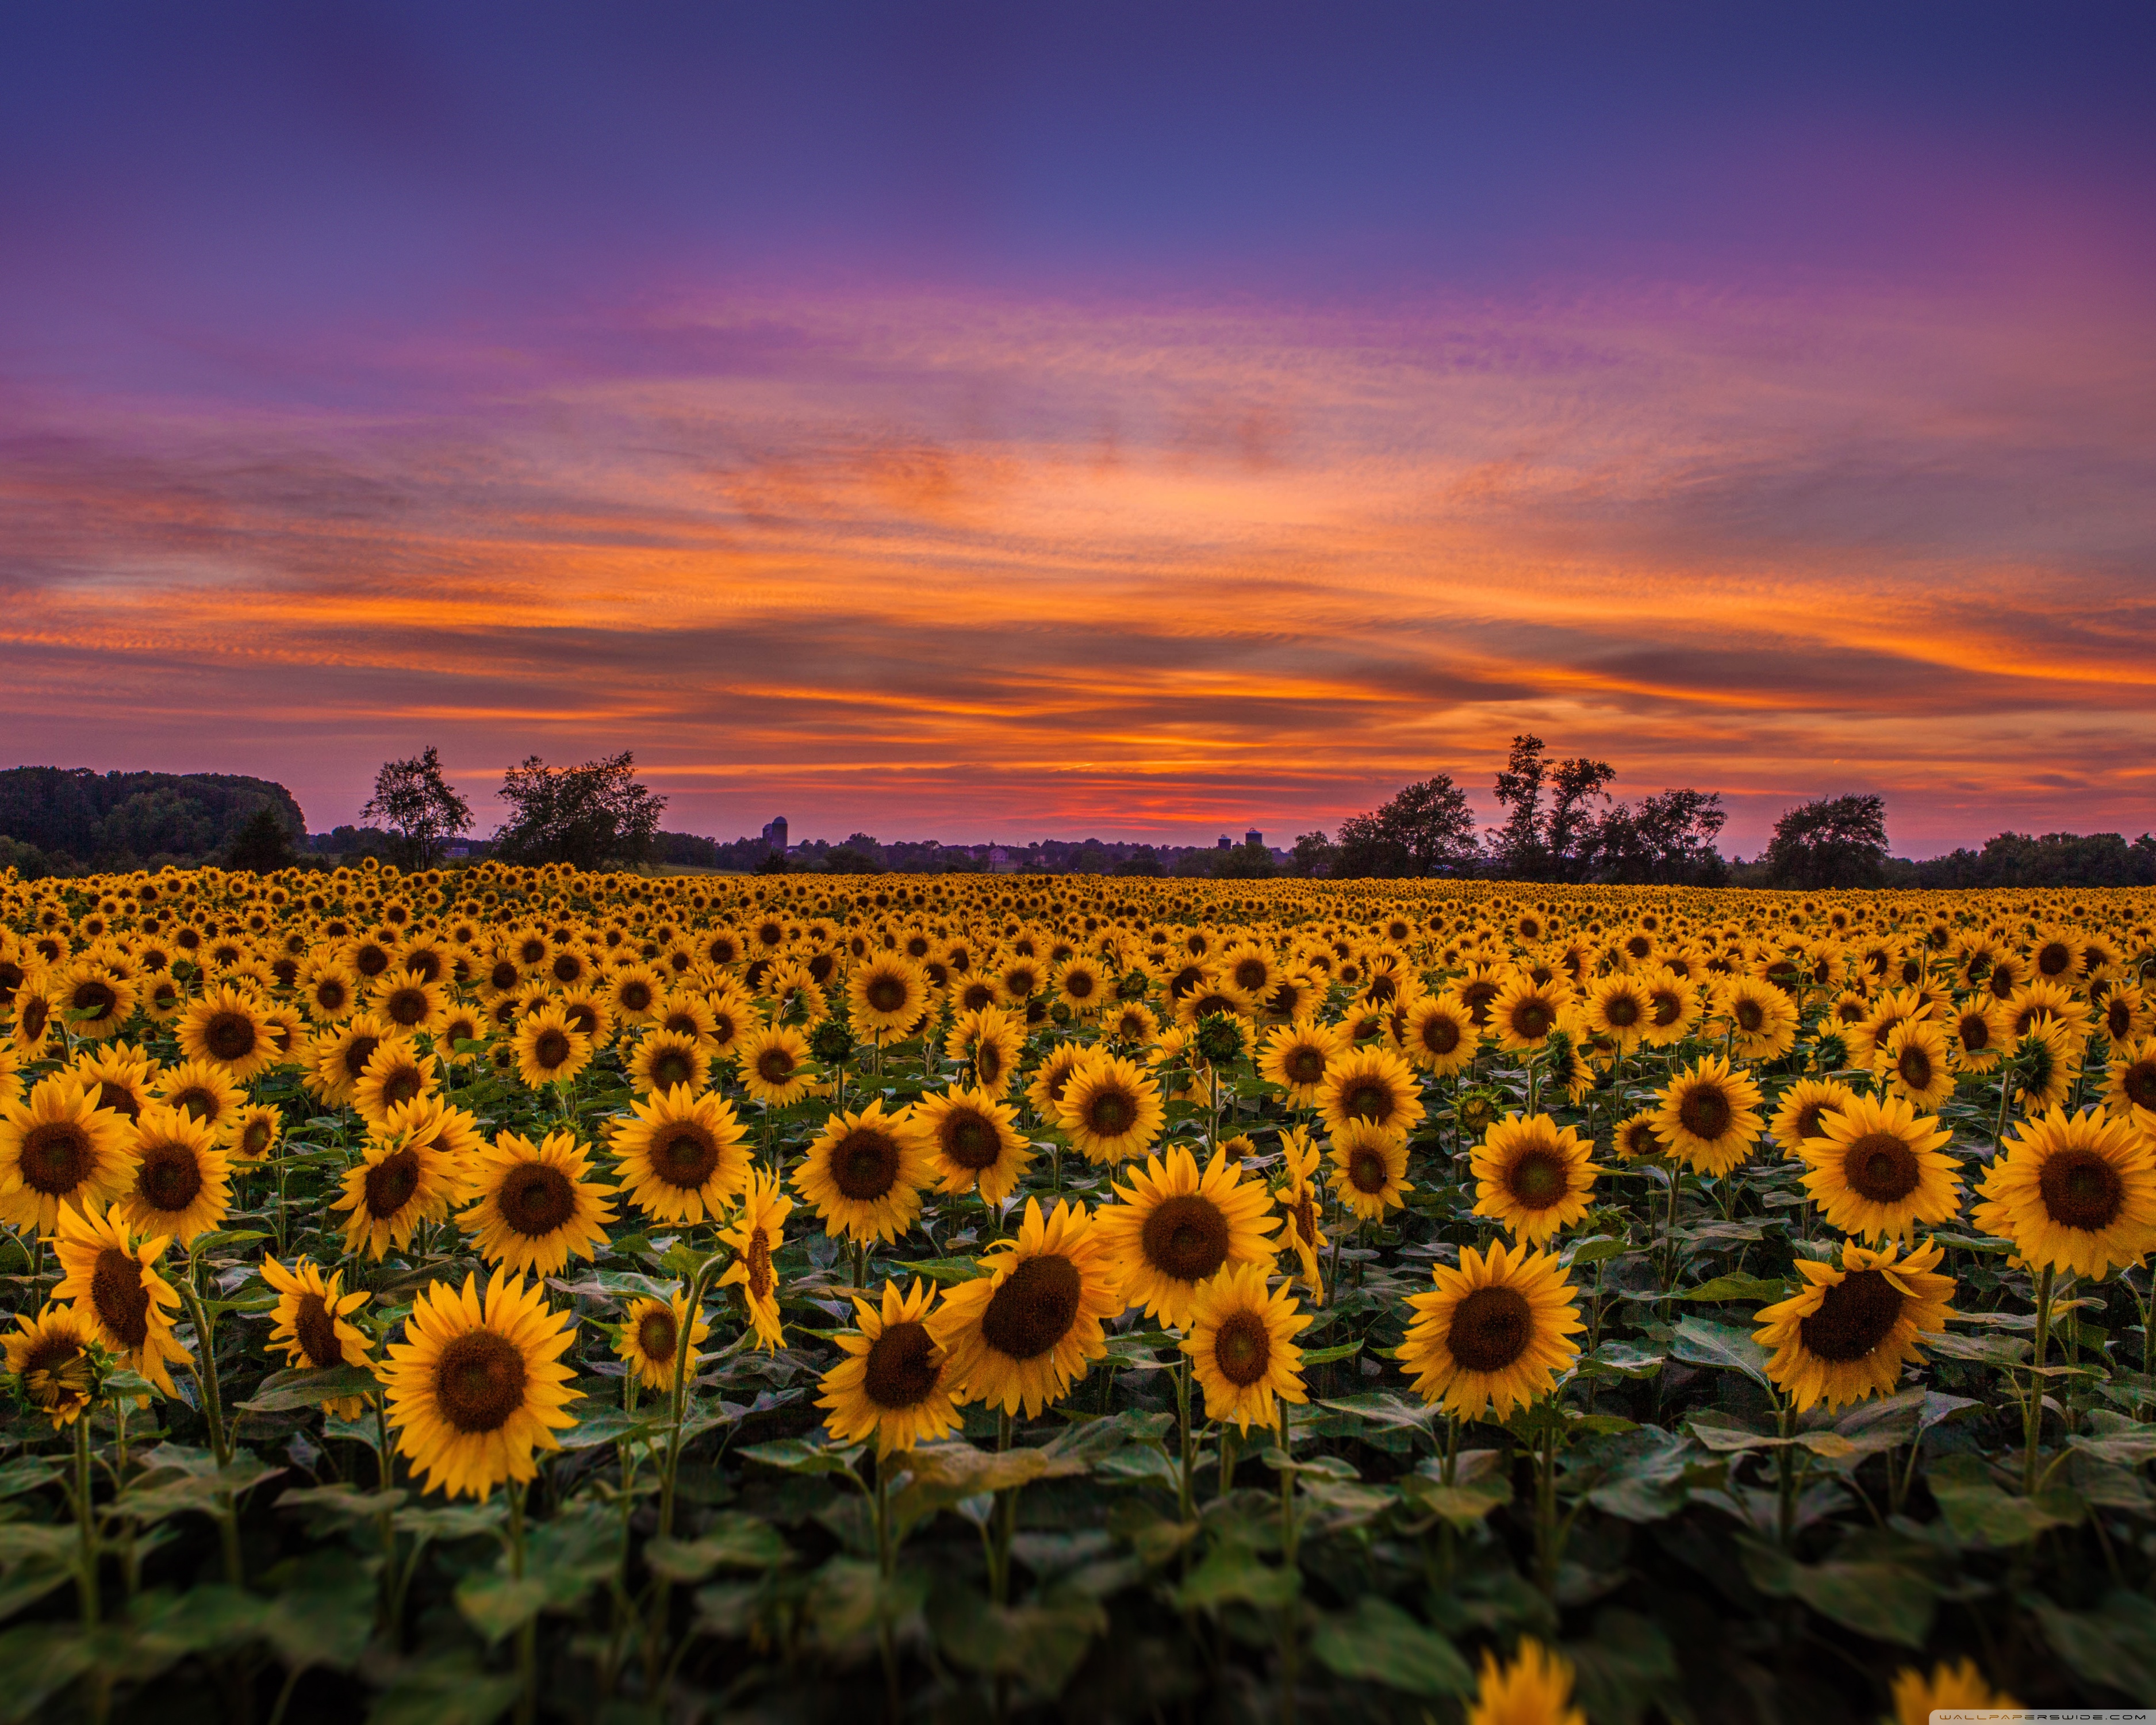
column 55, row 1372
column 658, row 1335
column 1367, row 1099
column 255, row 1137
column 1881, row 1167
column 1531, row 1020
column 1705, row 1112
column 1186, row 1237
column 1668, row 1008
column 1854, row 1315
column 1366, row 1169
column 2055, row 958
column 197, row 1103
column 885, row 993
column 686, row 1155
column 229, row 1036
column 402, row 1085
column 671, row 1066
column 94, row 998
column 1538, row 1179
column 1251, row 973
column 2081, row 1189
column 1621, row 1011
column 1111, row 1113
column 1914, row 1068
column 762, row 1279
column 392, row 1181
column 56, row 1157
column 636, row 996
column 864, row 1164
column 1807, row 1122
column 774, row 1066
column 1035, row 1308
column 551, row 1048
column 1750, row 1015
column 904, row 1367
column 535, row 1199
column 478, row 1381
column 1304, row 1064
column 122, row 1302
column 316, row 1331
column 359, row 1052
column 118, row 1098
column 2138, row 1083
column 971, row 1140
column 1078, row 984
column 988, row 1063
column 1305, row 1220
column 1243, row 1349
column 1491, row 1328
column 169, row 1176
column 406, row 1007
column 1975, row 1034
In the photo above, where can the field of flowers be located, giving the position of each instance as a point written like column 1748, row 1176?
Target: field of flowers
column 513, row 1292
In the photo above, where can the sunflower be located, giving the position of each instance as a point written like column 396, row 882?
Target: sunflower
column 182, row 1183
column 1371, row 1165
column 1052, row 1077
column 10, row 1078
column 988, row 1039
column 50, row 1358
column 308, row 1322
column 1298, row 1198
column 116, row 1292
column 1845, row 1337
column 1951, row 1689
column 889, row 995
column 550, row 1049
column 2124, row 1016
column 1914, row 1062
column 37, row 1021
column 1296, row 1057
column 409, row 1003
column 1438, row 1035
column 1526, row 1011
column 1371, row 1085
column 1020, row 1336
column 1709, row 1116
column 461, row 1025
column 683, row 1013
column 407, row 1173
column 2040, row 999
column 680, row 1155
column 1672, row 1007
column 1533, row 1177
column 1762, row 1020
column 894, row 1383
column 1534, row 1689
column 478, row 1385
column 1635, row 1136
column 1081, row 985
column 1242, row 1348
column 2130, row 1085
column 1132, row 1024
column 975, row 1141
column 666, row 1059
column 649, row 1341
column 532, row 1206
column 774, row 1066
column 634, row 992
column 2049, row 1057
column 121, row 1072
column 59, row 1149
column 1802, row 1106
column 94, row 1001
column 1495, row 1332
column 1977, row 1033
column 1878, row 1168
column 1617, row 1007
column 1175, row 1227
column 340, row 1058
column 864, row 1173
column 2073, row 1192
column 1111, row 1111
column 397, row 1072
column 755, row 1234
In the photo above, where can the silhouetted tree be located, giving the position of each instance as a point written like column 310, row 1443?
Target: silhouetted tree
column 1423, row 828
column 263, row 846
column 585, row 816
column 418, row 807
column 1832, row 842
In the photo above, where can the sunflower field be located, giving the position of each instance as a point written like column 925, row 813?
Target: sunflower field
column 519, row 1293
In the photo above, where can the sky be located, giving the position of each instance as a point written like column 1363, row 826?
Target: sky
column 1148, row 421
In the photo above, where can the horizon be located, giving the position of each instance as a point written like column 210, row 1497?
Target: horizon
column 1141, row 424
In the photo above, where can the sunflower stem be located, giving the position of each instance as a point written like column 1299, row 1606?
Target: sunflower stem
column 1290, row 1625
column 886, row 1561
column 527, row 1634
column 85, row 1518
column 2033, row 1426
column 1786, row 1494
column 1183, row 1494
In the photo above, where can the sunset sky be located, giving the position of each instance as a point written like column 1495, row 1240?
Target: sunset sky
column 1012, row 422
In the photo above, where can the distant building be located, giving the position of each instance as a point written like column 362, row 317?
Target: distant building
column 456, row 852
column 1254, row 837
column 1000, row 861
column 774, row 835
column 1225, row 844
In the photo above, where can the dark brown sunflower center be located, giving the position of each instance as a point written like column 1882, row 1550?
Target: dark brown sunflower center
column 1531, row 1020
column 567, row 968
column 1110, row 1112
column 2139, row 1084
column 658, row 1337
column 405, row 1006
column 317, row 1332
column 169, row 1176
column 684, row 1154
column 56, row 1373
column 2055, row 958
column 774, row 1066
column 119, row 1098
column 1854, row 1315
column 1186, row 1237
column 1667, row 1007
column 359, row 1052
column 1621, row 1011
column 1243, row 1349
column 1368, row 1099
column 1305, row 1220
column 761, row 1278
column 390, row 1182
column 1881, row 1167
column 673, row 1067
column 550, row 1049
column 1975, row 1034
column 56, row 1157
column 885, row 992
column 1913, row 1067
column 635, row 996
column 401, row 1085
column 1078, row 985
column 535, row 1199
column 1538, row 1179
column 969, row 1139
column 1705, row 1112
column 1807, row 1122
column 255, row 1136
column 94, row 998
column 904, row 1367
column 864, row 1164
column 1251, row 974
column 1035, row 1308
column 1491, row 1328
column 229, row 1036
column 2081, row 1189
column 1750, row 1015
column 1306, row 1064
column 122, row 1301
column 478, row 1381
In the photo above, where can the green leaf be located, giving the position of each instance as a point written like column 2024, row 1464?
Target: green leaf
column 1462, row 1505
column 1701, row 1342
column 29, row 1582
column 1979, row 1511
column 2113, row 1647
column 203, row 1619
column 1642, row 1476
column 850, row 1598
column 321, row 1625
column 1622, row 1359
column 1327, row 1356
column 447, row 1691
column 801, row 1455
column 342, row 1502
column 1377, row 1642
column 1596, row 1250
column 495, row 1605
column 1387, row 1409
column 1738, row 1287
column 945, row 1272
column 1982, row 1350
column 1041, row 1645
column 734, row 1541
column 947, row 1473
column 1626, row 1669
column 1884, row 1601
column 282, row 1391
column 39, row 1659
column 26, row 1473
column 1232, row 1575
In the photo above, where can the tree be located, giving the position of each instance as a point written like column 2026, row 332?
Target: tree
column 1423, row 828
column 849, row 858
column 1314, row 855
column 1243, row 862
column 1515, row 847
column 1832, row 842
column 263, row 846
column 1142, row 863
column 1572, row 833
column 418, row 807
column 584, row 816
column 1669, row 841
column 1562, row 841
